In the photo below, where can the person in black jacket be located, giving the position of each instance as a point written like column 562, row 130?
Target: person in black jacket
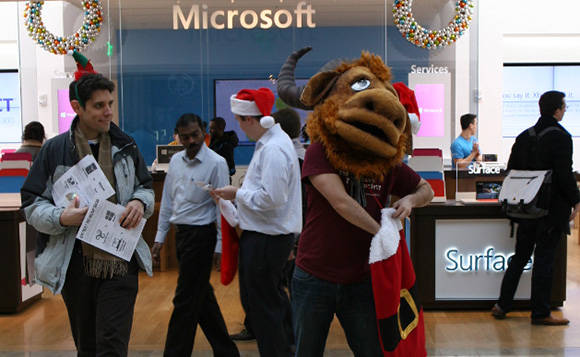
column 223, row 142
column 553, row 152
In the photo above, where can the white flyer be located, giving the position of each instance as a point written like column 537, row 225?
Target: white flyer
column 85, row 180
column 101, row 228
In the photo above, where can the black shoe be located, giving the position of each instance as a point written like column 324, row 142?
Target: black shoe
column 243, row 335
column 497, row 312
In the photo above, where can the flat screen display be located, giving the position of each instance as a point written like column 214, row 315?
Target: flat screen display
column 66, row 114
column 165, row 152
column 10, row 115
column 431, row 102
column 524, row 84
column 487, row 190
column 224, row 88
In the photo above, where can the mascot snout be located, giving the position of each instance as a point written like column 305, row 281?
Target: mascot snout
column 372, row 120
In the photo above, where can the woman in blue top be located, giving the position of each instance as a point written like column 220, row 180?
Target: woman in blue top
column 465, row 149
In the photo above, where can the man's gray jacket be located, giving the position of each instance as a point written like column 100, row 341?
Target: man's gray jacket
column 57, row 155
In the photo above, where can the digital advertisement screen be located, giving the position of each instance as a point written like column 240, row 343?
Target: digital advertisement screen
column 66, row 114
column 224, row 88
column 431, row 102
column 524, row 84
column 10, row 117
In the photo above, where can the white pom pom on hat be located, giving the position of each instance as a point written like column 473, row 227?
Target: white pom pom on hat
column 253, row 103
column 267, row 122
column 415, row 123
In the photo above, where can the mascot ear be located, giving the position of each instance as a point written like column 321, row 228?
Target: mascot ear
column 409, row 133
column 318, row 87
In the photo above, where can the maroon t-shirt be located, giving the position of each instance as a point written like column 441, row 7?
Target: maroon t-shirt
column 330, row 247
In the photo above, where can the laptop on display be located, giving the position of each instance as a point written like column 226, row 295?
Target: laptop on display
column 485, row 192
column 164, row 154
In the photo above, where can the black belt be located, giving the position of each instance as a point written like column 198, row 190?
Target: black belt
column 193, row 226
column 285, row 235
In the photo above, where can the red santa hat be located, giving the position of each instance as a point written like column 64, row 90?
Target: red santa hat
column 407, row 98
column 253, row 102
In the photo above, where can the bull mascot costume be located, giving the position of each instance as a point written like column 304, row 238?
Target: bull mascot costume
column 365, row 132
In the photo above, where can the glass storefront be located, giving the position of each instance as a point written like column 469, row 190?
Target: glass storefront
column 169, row 57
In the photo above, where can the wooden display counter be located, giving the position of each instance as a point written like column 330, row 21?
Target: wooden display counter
column 460, row 254
column 168, row 259
column 17, row 256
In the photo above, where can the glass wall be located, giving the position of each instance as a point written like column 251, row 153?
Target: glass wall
column 173, row 57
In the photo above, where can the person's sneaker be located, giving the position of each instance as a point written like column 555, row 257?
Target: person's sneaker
column 243, row 335
column 497, row 312
column 550, row 321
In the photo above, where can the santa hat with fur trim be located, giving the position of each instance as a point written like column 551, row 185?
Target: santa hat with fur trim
column 252, row 102
column 407, row 98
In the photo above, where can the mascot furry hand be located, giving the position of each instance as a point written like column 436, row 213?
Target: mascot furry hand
column 365, row 131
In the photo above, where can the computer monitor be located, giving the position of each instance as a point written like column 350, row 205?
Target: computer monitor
column 489, row 157
column 164, row 154
column 487, row 190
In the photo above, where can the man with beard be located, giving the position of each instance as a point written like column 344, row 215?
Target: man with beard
column 186, row 203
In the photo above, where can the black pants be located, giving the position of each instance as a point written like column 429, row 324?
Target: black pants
column 262, row 258
column 539, row 235
column 288, row 269
column 100, row 311
column 194, row 300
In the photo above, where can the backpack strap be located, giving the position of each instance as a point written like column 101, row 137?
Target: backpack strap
column 546, row 131
column 532, row 131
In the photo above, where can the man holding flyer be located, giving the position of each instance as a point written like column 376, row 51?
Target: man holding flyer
column 98, row 288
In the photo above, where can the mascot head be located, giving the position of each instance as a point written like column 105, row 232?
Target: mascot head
column 357, row 114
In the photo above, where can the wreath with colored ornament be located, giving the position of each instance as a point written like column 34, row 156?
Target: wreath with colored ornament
column 431, row 39
column 91, row 27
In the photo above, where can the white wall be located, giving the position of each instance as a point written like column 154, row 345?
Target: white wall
column 521, row 31
column 8, row 35
column 8, row 42
column 36, row 66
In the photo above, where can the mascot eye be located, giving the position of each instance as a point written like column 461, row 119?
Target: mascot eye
column 360, row 85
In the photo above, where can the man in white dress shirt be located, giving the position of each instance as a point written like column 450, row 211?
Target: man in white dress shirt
column 187, row 204
column 270, row 213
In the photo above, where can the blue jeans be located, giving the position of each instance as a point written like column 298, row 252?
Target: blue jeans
column 314, row 303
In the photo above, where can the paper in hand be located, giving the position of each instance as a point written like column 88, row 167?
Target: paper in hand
column 85, row 180
column 101, row 229
column 204, row 186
